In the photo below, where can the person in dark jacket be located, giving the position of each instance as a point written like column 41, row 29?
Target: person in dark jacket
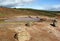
column 16, row 36
column 54, row 23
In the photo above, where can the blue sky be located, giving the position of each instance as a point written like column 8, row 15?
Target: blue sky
column 35, row 4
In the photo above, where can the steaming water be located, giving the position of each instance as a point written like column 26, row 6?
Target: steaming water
column 23, row 19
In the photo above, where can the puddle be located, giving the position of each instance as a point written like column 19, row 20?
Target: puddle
column 22, row 19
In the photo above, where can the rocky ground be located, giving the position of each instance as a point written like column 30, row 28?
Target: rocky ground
column 35, row 31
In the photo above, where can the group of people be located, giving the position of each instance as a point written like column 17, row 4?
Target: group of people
column 53, row 22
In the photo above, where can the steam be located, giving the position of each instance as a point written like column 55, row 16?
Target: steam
column 14, row 3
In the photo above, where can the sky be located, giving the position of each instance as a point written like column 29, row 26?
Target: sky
column 53, row 5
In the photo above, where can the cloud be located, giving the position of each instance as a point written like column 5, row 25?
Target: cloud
column 54, row 8
column 13, row 3
column 27, row 0
column 40, row 8
column 50, row 7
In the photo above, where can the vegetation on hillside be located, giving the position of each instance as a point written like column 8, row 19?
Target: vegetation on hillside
column 41, row 12
column 27, row 11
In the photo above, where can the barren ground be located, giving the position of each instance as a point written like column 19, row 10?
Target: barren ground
column 37, row 31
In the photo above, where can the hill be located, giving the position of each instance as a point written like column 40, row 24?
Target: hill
column 21, row 11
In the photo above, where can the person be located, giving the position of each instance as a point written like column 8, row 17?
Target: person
column 29, row 16
column 37, row 17
column 16, row 36
column 54, row 23
column 27, row 24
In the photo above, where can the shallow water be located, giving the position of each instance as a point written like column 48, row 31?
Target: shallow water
column 23, row 19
